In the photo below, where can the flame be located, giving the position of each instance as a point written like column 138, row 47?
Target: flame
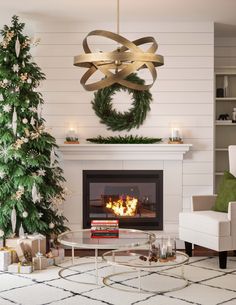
column 123, row 207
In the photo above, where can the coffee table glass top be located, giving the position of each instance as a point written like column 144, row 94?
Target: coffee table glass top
column 127, row 238
column 131, row 258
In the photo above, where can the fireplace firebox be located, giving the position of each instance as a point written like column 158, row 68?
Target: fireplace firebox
column 134, row 197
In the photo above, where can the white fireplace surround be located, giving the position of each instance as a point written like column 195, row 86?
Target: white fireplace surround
column 166, row 157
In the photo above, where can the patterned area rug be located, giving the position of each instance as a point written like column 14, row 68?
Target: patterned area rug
column 208, row 285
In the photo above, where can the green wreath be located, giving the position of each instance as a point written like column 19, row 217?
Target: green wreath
column 115, row 120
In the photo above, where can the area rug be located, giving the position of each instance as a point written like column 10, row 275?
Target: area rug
column 208, row 285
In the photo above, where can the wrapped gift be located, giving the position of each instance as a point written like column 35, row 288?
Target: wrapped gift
column 5, row 259
column 20, row 268
column 58, row 252
column 13, row 254
column 50, row 261
column 58, row 260
column 40, row 262
column 32, row 243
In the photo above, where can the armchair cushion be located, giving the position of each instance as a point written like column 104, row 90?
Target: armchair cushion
column 227, row 193
column 207, row 222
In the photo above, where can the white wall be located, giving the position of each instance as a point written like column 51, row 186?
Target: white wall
column 225, row 52
column 182, row 95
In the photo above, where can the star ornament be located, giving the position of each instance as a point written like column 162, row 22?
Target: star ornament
column 7, row 108
column 41, row 172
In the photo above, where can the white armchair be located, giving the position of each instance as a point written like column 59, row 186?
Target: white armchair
column 204, row 227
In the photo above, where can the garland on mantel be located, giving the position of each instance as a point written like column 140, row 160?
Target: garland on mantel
column 128, row 139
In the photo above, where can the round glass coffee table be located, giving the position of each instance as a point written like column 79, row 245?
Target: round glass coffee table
column 128, row 238
column 131, row 259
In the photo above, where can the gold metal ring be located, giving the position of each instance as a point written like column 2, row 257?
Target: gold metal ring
column 123, row 61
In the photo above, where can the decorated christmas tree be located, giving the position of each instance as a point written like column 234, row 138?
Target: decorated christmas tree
column 31, row 181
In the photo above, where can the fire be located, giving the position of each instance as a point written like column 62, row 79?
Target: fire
column 123, row 207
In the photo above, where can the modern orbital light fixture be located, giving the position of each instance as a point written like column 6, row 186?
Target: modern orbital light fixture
column 120, row 63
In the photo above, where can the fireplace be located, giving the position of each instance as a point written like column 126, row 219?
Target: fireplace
column 134, row 197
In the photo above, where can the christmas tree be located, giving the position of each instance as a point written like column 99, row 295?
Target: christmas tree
column 31, row 181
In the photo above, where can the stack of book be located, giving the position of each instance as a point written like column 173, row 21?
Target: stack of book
column 105, row 229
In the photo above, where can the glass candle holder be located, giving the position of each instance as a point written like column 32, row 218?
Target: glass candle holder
column 72, row 136
column 175, row 137
column 167, row 249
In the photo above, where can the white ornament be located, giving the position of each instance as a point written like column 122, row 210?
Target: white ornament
column 4, row 151
column 13, row 220
column 15, row 68
column 2, row 174
column 17, row 47
column 33, row 109
column 29, row 80
column 25, row 141
column 21, row 231
column 23, row 64
column 40, row 215
column 1, row 233
column 14, row 121
column 52, row 157
column 41, row 172
column 32, row 121
column 24, row 121
column 51, row 225
column 6, row 108
column 25, row 214
column 1, row 97
column 40, row 109
column 35, row 196
column 5, row 81
column 27, row 101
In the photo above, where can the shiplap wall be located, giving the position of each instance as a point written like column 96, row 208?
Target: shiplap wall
column 225, row 52
column 182, row 95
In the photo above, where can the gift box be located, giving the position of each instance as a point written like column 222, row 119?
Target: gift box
column 40, row 262
column 58, row 260
column 32, row 243
column 5, row 259
column 58, row 252
column 50, row 261
column 19, row 268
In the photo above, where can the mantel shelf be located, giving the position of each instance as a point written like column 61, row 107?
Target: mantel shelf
column 124, row 151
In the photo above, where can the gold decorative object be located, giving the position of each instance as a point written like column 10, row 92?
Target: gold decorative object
column 120, row 63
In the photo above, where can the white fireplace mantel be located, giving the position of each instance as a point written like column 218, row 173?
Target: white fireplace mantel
column 124, row 151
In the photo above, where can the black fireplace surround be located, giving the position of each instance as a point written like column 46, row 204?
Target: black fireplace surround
column 107, row 191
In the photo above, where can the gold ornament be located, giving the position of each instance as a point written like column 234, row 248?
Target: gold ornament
column 120, row 63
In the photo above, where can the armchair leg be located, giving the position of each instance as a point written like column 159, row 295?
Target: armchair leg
column 188, row 248
column 223, row 259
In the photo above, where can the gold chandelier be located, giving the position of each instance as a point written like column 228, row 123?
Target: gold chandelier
column 120, row 63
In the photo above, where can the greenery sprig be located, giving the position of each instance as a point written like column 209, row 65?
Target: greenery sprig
column 128, row 139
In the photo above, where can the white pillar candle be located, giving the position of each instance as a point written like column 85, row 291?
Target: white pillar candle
column 174, row 133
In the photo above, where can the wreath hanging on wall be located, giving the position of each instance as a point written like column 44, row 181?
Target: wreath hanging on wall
column 115, row 120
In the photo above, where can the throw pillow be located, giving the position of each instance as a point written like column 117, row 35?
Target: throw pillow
column 227, row 193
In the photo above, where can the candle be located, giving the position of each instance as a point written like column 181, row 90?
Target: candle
column 169, row 247
column 175, row 133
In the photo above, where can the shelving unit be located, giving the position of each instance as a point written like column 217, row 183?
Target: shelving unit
column 225, row 131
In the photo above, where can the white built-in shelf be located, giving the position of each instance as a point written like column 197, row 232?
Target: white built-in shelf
column 219, row 173
column 225, row 99
column 221, row 149
column 224, row 123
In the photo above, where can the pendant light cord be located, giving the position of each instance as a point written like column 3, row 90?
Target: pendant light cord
column 118, row 17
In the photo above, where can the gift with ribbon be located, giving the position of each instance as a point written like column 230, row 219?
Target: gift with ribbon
column 20, row 268
column 58, row 252
column 35, row 243
column 13, row 254
column 40, row 262
column 5, row 259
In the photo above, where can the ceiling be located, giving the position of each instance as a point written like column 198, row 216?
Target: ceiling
column 222, row 12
